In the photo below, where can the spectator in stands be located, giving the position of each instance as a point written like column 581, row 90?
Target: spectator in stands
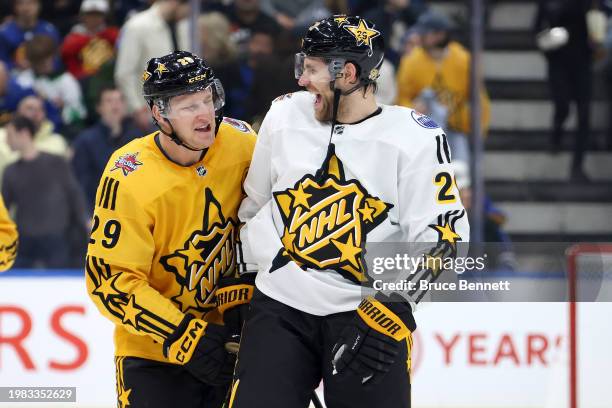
column 499, row 250
column 569, row 72
column 24, row 24
column 273, row 76
column 11, row 93
column 32, row 107
column 245, row 17
column 93, row 147
column 61, row 89
column 6, row 12
column 63, row 14
column 218, row 48
column 124, row 9
column 91, row 43
column 155, row 31
column 238, row 95
column 393, row 18
column 386, row 84
column 46, row 198
column 296, row 15
column 440, row 68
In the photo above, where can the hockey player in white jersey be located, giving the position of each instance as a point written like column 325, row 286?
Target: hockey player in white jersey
column 333, row 171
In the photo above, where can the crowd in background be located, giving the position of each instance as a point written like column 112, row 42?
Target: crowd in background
column 70, row 90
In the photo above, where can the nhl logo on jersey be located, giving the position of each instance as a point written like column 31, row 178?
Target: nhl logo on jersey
column 127, row 163
column 424, row 120
column 201, row 170
column 206, row 256
column 326, row 222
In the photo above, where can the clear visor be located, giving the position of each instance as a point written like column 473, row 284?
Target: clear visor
column 208, row 100
column 317, row 69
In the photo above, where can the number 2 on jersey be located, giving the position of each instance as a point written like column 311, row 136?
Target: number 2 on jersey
column 445, row 183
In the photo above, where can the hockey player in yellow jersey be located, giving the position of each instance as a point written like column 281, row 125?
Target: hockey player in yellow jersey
column 8, row 239
column 163, row 236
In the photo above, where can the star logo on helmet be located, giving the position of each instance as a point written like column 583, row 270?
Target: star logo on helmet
column 161, row 68
column 363, row 34
column 146, row 75
column 315, row 25
column 341, row 20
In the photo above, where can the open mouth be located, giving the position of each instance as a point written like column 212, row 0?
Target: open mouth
column 318, row 100
column 205, row 128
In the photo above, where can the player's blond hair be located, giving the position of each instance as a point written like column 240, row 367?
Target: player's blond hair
column 218, row 47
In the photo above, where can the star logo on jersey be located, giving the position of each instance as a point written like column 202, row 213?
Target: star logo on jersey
column 445, row 227
column 127, row 163
column 326, row 220
column 161, row 68
column 363, row 34
column 205, row 257
column 8, row 253
column 146, row 75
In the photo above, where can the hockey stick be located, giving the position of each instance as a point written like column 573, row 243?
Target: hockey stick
column 315, row 400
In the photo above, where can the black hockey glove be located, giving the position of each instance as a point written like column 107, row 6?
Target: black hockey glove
column 232, row 297
column 370, row 344
column 200, row 347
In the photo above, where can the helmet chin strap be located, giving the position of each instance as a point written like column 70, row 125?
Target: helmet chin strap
column 330, row 147
column 337, row 94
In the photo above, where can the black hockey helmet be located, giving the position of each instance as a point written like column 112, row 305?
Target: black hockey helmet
column 179, row 73
column 341, row 39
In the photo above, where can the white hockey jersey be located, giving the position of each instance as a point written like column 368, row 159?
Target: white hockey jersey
column 311, row 208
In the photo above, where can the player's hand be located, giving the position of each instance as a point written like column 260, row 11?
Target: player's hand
column 371, row 343
column 200, row 347
column 232, row 298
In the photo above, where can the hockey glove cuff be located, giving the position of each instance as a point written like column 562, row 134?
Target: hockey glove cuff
column 232, row 297
column 234, row 292
column 200, row 347
column 370, row 344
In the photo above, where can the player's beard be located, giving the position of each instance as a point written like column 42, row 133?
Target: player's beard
column 325, row 113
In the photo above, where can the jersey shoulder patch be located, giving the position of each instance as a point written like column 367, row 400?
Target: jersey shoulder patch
column 130, row 159
column 285, row 96
column 126, row 163
column 423, row 120
column 238, row 124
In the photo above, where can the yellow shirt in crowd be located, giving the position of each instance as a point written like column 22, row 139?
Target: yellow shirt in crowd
column 449, row 79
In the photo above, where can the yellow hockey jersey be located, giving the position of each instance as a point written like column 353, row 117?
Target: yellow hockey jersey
column 163, row 234
column 8, row 239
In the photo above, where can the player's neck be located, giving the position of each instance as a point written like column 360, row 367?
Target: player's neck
column 356, row 106
column 178, row 154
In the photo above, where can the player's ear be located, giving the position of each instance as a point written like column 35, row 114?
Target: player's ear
column 350, row 73
column 156, row 113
